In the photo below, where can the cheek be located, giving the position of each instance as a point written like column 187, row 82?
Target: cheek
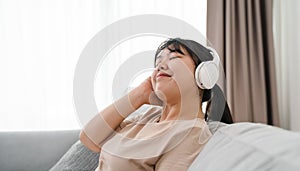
column 182, row 70
column 184, row 75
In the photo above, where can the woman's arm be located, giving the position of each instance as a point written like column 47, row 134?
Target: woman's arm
column 105, row 122
column 88, row 143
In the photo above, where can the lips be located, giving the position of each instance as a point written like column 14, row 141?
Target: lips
column 162, row 75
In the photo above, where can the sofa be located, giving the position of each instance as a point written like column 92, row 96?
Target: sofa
column 240, row 146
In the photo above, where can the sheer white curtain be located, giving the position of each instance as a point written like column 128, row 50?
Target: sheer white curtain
column 287, row 51
column 40, row 43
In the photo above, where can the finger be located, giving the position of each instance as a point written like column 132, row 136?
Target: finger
column 153, row 81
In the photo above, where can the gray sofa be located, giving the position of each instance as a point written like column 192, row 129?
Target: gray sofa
column 240, row 146
column 34, row 151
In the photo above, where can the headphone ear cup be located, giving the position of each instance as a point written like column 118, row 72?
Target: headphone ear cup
column 207, row 75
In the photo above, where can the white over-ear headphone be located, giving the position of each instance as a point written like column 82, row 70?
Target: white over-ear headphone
column 207, row 73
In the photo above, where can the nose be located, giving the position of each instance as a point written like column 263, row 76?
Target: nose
column 162, row 65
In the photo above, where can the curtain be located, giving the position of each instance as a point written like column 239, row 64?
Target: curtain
column 241, row 32
column 287, row 42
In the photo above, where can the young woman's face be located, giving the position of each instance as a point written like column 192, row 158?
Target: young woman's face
column 174, row 74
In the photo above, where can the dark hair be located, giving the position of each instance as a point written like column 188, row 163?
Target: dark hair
column 193, row 48
column 216, row 105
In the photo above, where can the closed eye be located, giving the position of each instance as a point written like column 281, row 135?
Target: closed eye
column 171, row 58
column 174, row 57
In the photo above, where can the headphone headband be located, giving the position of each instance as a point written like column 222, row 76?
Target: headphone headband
column 216, row 58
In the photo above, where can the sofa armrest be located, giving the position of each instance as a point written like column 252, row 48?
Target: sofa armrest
column 38, row 150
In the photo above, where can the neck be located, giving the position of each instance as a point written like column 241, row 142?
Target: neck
column 187, row 108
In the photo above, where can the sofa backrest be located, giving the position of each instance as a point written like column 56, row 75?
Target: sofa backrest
column 34, row 151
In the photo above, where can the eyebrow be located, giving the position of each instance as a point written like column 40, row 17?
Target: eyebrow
column 180, row 54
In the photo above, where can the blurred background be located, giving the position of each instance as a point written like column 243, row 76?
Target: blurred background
column 41, row 41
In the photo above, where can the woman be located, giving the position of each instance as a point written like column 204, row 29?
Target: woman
column 164, row 137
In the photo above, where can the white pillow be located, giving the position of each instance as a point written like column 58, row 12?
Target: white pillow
column 251, row 147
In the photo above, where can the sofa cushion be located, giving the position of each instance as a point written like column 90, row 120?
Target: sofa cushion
column 78, row 157
column 250, row 146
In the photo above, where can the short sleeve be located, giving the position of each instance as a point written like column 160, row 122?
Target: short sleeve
column 128, row 121
column 144, row 114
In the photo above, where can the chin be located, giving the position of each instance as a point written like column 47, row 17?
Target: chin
column 168, row 94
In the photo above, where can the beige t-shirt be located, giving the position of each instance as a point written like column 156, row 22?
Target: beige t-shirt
column 143, row 143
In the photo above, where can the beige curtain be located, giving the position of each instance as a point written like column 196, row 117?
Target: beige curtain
column 241, row 32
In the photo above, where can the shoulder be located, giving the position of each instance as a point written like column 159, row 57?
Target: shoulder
column 195, row 132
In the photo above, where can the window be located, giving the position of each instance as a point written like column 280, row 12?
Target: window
column 41, row 41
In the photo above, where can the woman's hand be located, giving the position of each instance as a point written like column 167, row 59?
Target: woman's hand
column 145, row 90
column 147, row 93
